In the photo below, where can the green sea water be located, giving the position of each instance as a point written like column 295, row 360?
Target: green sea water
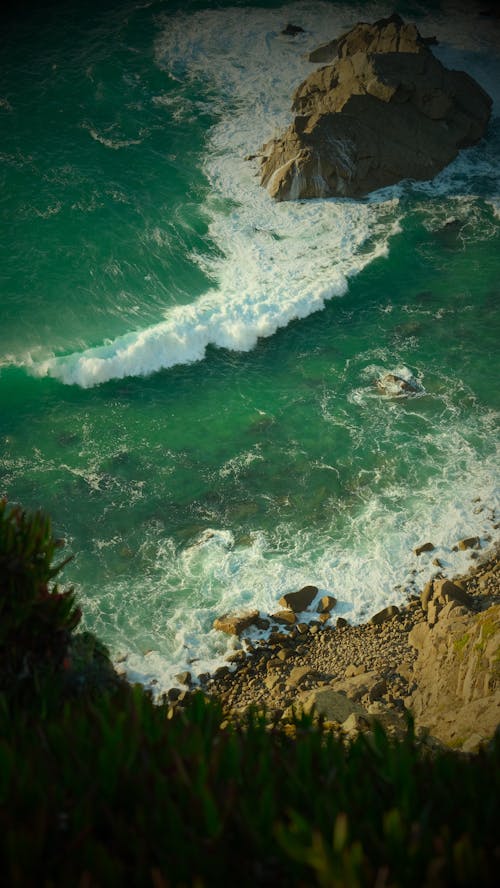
column 187, row 370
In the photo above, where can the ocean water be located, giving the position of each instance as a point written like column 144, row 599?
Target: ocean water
column 187, row 368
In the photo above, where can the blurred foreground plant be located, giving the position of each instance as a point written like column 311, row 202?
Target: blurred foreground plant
column 36, row 619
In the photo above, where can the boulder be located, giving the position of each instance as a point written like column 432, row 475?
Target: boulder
column 234, row 624
column 330, row 704
column 292, row 30
column 446, row 590
column 387, row 613
column 366, row 684
column 469, row 543
column 394, row 386
column 299, row 601
column 386, row 109
column 326, row 604
column 285, row 616
column 424, row 547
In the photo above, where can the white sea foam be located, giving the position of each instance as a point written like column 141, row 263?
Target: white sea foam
column 114, row 144
column 368, row 566
column 278, row 262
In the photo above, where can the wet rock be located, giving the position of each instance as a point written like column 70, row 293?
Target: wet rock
column 292, row 30
column 469, row 543
column 326, row 604
column 237, row 657
column 235, row 624
column 285, row 616
column 393, row 385
column 299, row 601
column 425, row 547
column 341, row 623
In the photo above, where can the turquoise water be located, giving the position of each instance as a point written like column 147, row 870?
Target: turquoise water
column 187, row 369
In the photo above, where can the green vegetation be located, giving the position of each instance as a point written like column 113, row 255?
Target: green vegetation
column 98, row 786
column 461, row 643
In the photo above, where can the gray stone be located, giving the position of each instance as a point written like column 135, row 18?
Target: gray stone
column 326, row 52
column 330, row 704
column 300, row 674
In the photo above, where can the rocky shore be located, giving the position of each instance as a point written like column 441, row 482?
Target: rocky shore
column 437, row 657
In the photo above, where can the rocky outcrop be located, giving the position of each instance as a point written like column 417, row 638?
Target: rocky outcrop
column 385, row 110
column 393, row 385
column 457, row 675
column 438, row 656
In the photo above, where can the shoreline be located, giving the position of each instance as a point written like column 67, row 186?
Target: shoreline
column 436, row 657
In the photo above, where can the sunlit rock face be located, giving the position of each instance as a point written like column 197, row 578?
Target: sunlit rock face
column 386, row 109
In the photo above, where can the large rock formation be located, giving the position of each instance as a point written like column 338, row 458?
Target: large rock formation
column 385, row 110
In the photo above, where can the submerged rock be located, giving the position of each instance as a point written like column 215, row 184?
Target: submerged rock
column 292, row 30
column 385, row 110
column 393, row 385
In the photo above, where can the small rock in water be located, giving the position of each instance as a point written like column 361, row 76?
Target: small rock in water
column 394, row 386
column 292, row 30
column 234, row 624
column 425, row 547
column 326, row 604
column 469, row 543
column 299, row 601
